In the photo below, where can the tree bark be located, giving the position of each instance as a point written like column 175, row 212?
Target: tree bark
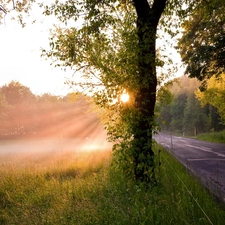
column 147, row 22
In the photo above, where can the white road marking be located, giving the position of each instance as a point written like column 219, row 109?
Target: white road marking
column 205, row 149
column 219, row 154
column 206, row 159
column 183, row 141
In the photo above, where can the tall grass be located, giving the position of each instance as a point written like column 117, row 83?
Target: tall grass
column 82, row 188
column 218, row 137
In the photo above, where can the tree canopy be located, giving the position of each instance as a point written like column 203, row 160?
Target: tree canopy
column 202, row 45
column 214, row 94
column 16, row 94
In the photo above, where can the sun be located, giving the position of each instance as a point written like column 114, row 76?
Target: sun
column 124, row 97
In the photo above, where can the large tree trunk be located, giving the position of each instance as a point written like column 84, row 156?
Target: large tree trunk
column 147, row 22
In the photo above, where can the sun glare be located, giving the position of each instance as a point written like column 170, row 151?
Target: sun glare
column 124, row 97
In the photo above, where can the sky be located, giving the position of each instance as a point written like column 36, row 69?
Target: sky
column 20, row 50
column 20, row 57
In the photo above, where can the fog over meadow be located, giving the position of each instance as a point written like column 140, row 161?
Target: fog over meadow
column 52, row 145
column 47, row 124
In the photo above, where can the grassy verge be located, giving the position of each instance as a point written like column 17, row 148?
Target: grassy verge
column 218, row 137
column 80, row 189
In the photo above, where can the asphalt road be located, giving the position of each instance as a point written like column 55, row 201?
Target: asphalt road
column 205, row 159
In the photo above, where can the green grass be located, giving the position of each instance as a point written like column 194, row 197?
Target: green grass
column 81, row 189
column 218, row 137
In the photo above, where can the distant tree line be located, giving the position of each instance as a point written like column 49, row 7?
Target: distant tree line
column 181, row 111
column 181, row 108
column 23, row 114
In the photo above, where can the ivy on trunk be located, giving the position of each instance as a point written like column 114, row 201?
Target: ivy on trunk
column 147, row 22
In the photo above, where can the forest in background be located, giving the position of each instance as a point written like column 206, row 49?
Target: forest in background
column 23, row 114
column 181, row 111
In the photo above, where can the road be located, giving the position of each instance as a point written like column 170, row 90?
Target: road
column 205, row 159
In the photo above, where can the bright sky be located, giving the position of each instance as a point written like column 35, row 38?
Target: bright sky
column 20, row 58
column 20, row 50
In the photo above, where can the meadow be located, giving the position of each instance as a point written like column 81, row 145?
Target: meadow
column 218, row 137
column 81, row 188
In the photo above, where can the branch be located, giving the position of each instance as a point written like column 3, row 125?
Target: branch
column 146, row 12
column 158, row 8
column 2, row 9
column 141, row 7
column 13, row 4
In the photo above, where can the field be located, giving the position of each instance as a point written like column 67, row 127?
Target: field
column 218, row 137
column 82, row 187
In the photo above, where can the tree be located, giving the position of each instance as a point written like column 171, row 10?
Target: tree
column 114, row 47
column 3, row 114
column 147, row 23
column 177, row 112
column 214, row 94
column 163, row 105
column 118, row 68
column 195, row 119
column 16, row 93
column 202, row 45
column 21, row 101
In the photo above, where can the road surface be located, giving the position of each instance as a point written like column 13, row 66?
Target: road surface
column 205, row 159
